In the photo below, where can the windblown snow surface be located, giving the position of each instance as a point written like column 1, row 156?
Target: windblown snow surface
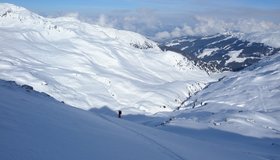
column 246, row 102
column 36, row 126
column 90, row 66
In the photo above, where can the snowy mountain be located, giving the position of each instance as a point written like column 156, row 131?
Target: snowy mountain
column 48, row 66
column 222, row 52
column 245, row 102
column 36, row 126
column 89, row 66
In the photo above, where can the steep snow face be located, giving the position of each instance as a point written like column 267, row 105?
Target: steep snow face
column 246, row 102
column 35, row 126
column 90, row 66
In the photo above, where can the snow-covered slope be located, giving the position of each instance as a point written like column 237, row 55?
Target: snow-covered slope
column 35, row 126
column 246, row 102
column 90, row 66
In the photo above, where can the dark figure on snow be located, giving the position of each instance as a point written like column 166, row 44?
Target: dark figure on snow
column 120, row 114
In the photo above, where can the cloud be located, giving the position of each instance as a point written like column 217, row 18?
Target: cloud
column 72, row 14
column 162, row 35
column 249, row 29
column 249, row 24
column 143, row 21
column 104, row 21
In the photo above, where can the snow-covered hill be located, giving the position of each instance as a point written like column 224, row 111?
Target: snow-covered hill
column 220, row 51
column 245, row 102
column 36, row 126
column 90, row 66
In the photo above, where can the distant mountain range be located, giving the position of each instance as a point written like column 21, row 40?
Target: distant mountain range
column 104, row 70
column 219, row 52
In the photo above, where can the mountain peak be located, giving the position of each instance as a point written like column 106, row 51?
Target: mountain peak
column 11, row 15
column 94, row 65
column 7, row 8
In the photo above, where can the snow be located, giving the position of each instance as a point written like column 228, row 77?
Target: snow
column 184, row 48
column 88, row 66
column 245, row 102
column 210, row 37
column 172, row 44
column 207, row 52
column 234, row 57
column 36, row 126
column 103, row 70
column 270, row 38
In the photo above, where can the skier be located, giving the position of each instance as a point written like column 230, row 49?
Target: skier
column 120, row 114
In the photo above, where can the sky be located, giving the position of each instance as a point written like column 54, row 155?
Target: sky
column 173, row 5
column 165, row 18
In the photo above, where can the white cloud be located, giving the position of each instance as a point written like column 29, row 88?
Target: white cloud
column 72, row 14
column 162, row 35
column 104, row 21
column 160, row 26
column 141, row 20
column 249, row 29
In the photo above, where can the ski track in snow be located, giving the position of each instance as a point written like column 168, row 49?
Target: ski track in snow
column 165, row 150
column 90, row 66
column 36, row 126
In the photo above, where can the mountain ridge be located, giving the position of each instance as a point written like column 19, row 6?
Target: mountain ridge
column 244, row 102
column 90, row 66
column 219, row 52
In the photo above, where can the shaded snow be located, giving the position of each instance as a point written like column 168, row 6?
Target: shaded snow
column 35, row 126
column 90, row 66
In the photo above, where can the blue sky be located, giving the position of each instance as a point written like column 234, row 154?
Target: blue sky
column 174, row 5
column 151, row 16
